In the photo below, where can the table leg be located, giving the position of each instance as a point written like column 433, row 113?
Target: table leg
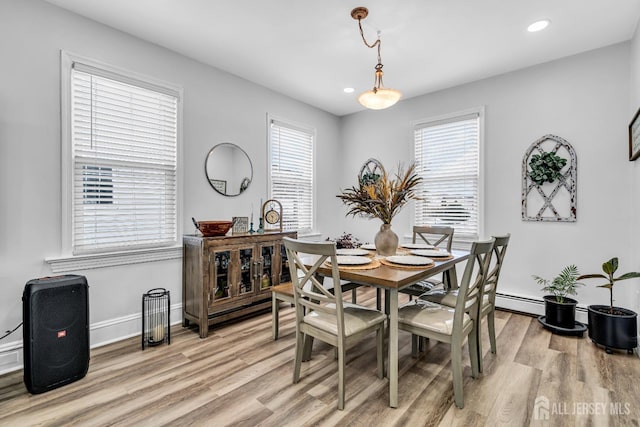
column 451, row 278
column 393, row 348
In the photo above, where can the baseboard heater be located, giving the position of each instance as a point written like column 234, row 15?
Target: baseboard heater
column 533, row 306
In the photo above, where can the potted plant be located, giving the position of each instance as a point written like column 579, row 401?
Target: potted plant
column 611, row 326
column 560, row 310
column 382, row 198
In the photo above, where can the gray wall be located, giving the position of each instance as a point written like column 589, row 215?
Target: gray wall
column 584, row 99
column 218, row 107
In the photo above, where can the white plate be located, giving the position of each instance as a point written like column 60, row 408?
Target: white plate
column 351, row 252
column 352, row 260
column 368, row 246
column 417, row 246
column 430, row 252
column 409, row 260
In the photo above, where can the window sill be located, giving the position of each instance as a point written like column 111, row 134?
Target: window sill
column 86, row 262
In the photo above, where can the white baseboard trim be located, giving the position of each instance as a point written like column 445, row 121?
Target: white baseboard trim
column 100, row 334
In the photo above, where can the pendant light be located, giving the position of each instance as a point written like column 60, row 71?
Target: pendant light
column 379, row 97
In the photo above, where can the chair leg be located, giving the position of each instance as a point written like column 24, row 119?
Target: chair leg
column 475, row 352
column 422, row 344
column 275, row 314
column 308, row 345
column 378, row 299
column 380, row 350
column 456, row 367
column 492, row 331
column 415, row 345
column 353, row 296
column 341, row 362
column 298, row 357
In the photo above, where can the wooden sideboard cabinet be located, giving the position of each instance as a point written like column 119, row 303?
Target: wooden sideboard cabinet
column 230, row 276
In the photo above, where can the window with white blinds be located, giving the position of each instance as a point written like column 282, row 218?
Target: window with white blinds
column 447, row 155
column 124, row 138
column 291, row 173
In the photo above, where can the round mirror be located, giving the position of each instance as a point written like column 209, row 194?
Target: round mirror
column 228, row 168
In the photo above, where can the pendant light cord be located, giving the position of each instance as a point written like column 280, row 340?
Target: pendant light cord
column 377, row 43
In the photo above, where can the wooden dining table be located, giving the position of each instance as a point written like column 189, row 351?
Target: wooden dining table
column 392, row 279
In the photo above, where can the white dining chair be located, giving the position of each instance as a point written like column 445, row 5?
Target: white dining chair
column 323, row 315
column 438, row 237
column 453, row 324
column 488, row 307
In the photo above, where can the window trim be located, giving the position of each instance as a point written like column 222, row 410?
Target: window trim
column 460, row 241
column 306, row 128
column 67, row 59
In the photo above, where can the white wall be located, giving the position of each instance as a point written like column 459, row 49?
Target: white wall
column 218, row 107
column 635, row 166
column 583, row 99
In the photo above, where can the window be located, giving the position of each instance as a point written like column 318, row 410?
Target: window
column 122, row 144
column 448, row 156
column 291, row 173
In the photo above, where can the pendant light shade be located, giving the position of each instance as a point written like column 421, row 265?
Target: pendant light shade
column 379, row 97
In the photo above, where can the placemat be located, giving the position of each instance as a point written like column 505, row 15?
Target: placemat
column 441, row 258
column 406, row 267
column 373, row 264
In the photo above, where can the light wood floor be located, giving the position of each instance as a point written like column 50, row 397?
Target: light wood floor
column 239, row 376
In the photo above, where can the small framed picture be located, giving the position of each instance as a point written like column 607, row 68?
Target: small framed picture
column 240, row 225
column 634, row 137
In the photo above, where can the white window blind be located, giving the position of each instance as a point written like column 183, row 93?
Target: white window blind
column 291, row 173
column 124, row 161
column 447, row 157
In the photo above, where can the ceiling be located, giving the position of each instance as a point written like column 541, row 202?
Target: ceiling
column 311, row 50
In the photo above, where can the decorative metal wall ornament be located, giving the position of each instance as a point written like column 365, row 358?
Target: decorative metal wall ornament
column 550, row 201
column 370, row 172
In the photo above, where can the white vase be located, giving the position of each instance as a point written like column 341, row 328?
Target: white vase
column 386, row 241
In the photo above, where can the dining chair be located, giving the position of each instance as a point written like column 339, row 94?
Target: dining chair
column 284, row 292
column 488, row 307
column 439, row 237
column 323, row 315
column 453, row 324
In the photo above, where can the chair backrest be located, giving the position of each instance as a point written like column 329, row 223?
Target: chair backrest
column 435, row 235
column 473, row 282
column 499, row 251
column 308, row 288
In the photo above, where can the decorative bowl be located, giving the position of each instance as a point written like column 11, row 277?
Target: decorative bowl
column 214, row 228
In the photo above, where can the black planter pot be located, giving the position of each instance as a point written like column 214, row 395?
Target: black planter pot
column 560, row 314
column 613, row 330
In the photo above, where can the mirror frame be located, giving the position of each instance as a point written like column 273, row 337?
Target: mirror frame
column 243, row 179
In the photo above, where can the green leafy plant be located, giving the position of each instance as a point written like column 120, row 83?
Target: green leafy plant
column 563, row 284
column 383, row 197
column 546, row 167
column 609, row 268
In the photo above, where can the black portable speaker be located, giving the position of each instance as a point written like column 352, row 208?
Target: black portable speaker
column 55, row 312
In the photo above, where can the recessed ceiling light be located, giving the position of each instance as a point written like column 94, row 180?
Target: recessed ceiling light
column 538, row 25
column 348, row 90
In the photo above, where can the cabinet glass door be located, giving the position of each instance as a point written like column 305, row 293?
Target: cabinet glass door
column 267, row 258
column 246, row 272
column 284, row 266
column 221, row 275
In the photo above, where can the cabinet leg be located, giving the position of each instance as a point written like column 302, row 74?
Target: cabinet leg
column 204, row 330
